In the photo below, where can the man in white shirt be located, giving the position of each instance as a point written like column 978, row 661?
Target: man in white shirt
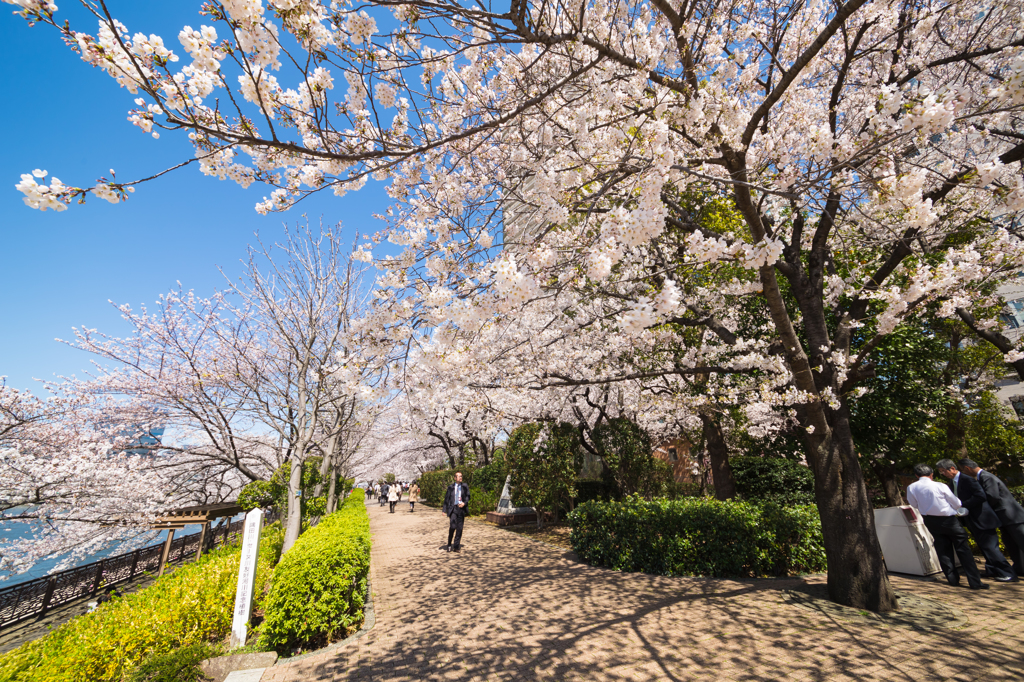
column 939, row 506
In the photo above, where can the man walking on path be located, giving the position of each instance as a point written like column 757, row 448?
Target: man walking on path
column 455, row 507
column 939, row 507
column 1009, row 511
column 982, row 521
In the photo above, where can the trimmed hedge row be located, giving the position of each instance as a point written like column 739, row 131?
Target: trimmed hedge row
column 488, row 479
column 699, row 537
column 320, row 585
column 190, row 606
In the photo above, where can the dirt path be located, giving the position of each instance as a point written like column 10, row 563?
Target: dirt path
column 511, row 608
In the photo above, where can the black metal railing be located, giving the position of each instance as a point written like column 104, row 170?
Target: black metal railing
column 36, row 597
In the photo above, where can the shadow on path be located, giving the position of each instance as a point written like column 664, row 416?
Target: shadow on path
column 509, row 608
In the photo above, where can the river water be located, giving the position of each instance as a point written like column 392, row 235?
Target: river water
column 17, row 530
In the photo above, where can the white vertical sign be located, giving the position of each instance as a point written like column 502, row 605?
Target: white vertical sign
column 246, row 576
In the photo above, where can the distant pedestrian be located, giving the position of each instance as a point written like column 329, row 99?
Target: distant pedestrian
column 393, row 497
column 383, row 494
column 1009, row 511
column 939, row 507
column 414, row 496
column 455, row 507
column 981, row 520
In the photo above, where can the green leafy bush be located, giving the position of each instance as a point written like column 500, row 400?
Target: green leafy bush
column 1018, row 493
column 181, row 665
column 699, row 536
column 274, row 493
column 594, row 489
column 433, row 484
column 773, row 478
column 260, row 494
column 491, row 477
column 191, row 606
column 484, row 483
column 543, row 459
column 482, row 501
column 629, row 455
column 320, row 585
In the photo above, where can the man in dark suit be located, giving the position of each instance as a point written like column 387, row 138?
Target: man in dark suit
column 455, row 507
column 1009, row 511
column 981, row 519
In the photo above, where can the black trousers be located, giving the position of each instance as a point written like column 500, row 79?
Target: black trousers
column 951, row 537
column 456, row 520
column 988, row 542
column 1013, row 538
column 393, row 506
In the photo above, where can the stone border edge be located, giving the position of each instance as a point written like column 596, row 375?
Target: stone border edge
column 368, row 622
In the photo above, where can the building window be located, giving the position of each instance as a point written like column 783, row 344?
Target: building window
column 672, row 455
column 1013, row 314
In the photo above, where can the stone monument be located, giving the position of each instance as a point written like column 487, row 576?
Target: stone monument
column 246, row 577
column 507, row 514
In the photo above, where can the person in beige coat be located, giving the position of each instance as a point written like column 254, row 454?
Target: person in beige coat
column 393, row 496
column 414, row 497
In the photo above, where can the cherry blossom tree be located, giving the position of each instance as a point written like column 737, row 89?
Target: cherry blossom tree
column 68, row 473
column 737, row 198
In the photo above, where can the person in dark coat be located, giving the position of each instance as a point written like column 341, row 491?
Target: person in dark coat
column 1009, row 511
column 981, row 519
column 455, row 507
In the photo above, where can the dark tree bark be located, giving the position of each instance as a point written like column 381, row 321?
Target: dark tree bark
column 956, row 434
column 718, row 453
column 856, row 572
column 885, row 471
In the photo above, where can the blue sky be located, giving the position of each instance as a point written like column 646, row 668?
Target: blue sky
column 58, row 270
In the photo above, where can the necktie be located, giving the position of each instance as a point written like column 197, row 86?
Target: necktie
column 955, row 482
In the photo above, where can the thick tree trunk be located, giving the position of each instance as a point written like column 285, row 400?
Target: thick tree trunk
column 856, row 572
column 886, row 474
column 293, row 524
column 718, row 453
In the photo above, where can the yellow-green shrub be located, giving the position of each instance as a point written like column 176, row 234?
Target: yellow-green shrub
column 320, row 585
column 193, row 604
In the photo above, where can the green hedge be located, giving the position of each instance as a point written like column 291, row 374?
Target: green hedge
column 482, row 501
column 489, row 478
column 773, row 478
column 699, row 537
column 190, row 606
column 320, row 585
column 434, row 483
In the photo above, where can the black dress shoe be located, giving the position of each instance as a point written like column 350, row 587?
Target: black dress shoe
column 979, row 587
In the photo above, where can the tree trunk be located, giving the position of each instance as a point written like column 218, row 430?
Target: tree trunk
column 956, row 435
column 856, row 572
column 293, row 524
column 332, row 493
column 718, row 452
column 886, row 473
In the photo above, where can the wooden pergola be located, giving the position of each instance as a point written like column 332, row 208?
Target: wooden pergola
column 187, row 516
